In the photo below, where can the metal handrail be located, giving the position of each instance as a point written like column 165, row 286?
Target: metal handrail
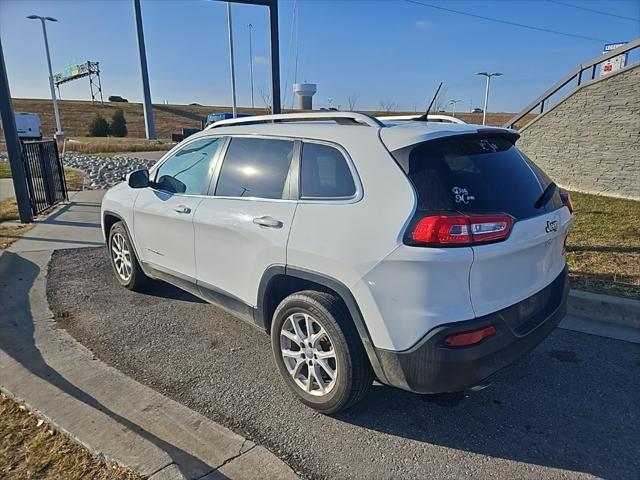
column 576, row 72
column 357, row 118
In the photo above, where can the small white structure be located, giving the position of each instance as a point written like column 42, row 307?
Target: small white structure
column 28, row 125
column 616, row 63
column 303, row 94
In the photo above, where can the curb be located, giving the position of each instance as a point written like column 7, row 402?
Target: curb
column 104, row 410
column 623, row 312
column 603, row 315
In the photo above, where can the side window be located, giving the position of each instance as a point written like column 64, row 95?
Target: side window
column 189, row 169
column 324, row 173
column 255, row 167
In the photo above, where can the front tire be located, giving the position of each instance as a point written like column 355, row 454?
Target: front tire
column 318, row 351
column 123, row 259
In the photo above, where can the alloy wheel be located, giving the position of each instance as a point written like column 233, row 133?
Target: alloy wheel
column 121, row 256
column 308, row 354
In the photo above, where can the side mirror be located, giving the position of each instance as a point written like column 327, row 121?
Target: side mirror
column 138, row 179
column 171, row 185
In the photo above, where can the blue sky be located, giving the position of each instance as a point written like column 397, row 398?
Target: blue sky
column 379, row 49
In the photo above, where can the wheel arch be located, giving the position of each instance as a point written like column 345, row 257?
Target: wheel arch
column 280, row 281
column 109, row 219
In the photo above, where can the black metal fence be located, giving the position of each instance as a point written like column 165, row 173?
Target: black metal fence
column 45, row 174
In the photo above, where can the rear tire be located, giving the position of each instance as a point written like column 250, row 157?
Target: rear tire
column 123, row 259
column 327, row 368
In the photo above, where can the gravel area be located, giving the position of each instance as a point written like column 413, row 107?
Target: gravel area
column 568, row 410
column 101, row 172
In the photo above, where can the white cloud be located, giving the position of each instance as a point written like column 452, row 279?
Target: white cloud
column 260, row 60
column 423, row 25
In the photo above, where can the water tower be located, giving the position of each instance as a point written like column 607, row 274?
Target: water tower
column 303, row 93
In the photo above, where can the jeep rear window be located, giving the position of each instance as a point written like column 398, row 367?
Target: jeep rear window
column 475, row 173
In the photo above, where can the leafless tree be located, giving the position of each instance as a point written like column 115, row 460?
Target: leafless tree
column 352, row 100
column 388, row 105
column 265, row 94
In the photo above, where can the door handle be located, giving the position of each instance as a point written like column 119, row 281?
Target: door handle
column 182, row 209
column 267, row 221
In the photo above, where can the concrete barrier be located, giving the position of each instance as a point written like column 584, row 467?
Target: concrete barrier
column 624, row 312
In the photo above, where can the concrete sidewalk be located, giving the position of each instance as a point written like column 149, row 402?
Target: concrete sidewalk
column 112, row 415
column 74, row 224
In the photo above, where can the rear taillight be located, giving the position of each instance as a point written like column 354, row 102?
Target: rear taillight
column 566, row 200
column 472, row 337
column 451, row 230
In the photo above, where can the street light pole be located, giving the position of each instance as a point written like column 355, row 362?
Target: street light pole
column 453, row 102
column 149, row 126
column 232, row 64
column 250, row 26
column 486, row 100
column 59, row 133
column 486, row 92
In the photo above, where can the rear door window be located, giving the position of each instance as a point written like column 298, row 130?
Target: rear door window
column 255, row 167
column 474, row 173
column 324, row 173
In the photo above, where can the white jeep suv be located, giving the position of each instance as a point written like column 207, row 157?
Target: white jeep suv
column 425, row 255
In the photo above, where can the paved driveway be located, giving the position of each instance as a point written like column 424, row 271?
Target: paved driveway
column 568, row 410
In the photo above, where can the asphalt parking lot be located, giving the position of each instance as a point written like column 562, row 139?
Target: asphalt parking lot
column 568, row 410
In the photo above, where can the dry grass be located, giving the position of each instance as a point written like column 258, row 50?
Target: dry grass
column 8, row 210
column 31, row 448
column 10, row 232
column 5, row 170
column 76, row 115
column 603, row 248
column 75, row 179
column 101, row 146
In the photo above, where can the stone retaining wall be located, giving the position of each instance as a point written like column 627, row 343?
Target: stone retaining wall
column 590, row 142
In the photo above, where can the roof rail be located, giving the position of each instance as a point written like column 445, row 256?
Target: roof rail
column 346, row 118
column 430, row 117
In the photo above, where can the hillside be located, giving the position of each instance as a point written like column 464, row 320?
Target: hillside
column 76, row 115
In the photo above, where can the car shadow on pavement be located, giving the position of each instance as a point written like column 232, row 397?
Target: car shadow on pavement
column 17, row 340
column 555, row 408
column 161, row 289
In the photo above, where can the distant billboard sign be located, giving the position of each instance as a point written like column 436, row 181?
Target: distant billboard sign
column 613, row 64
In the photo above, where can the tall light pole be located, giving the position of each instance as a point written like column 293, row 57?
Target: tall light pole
column 250, row 27
column 453, row 102
column 486, row 92
column 59, row 133
column 150, row 129
column 231, row 62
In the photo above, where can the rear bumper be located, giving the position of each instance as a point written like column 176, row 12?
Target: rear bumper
column 430, row 367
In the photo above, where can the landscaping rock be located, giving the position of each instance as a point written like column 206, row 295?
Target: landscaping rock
column 101, row 172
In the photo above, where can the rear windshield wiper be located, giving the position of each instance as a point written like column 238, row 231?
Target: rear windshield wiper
column 546, row 195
